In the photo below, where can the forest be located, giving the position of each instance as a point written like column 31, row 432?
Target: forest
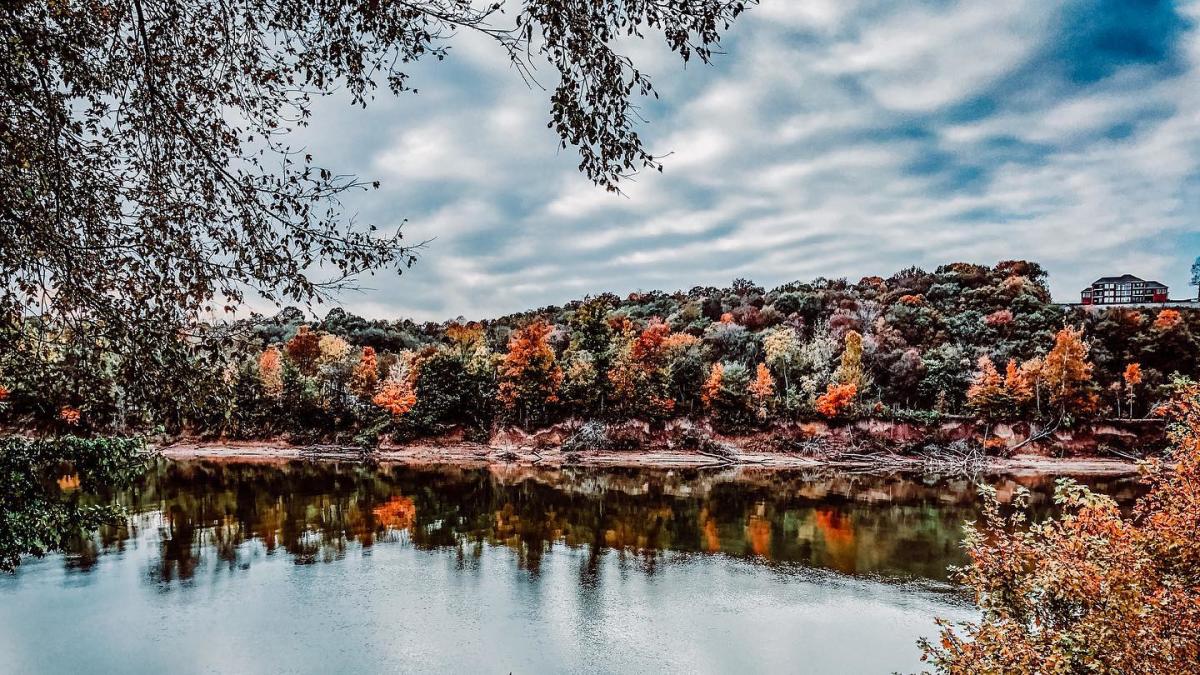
column 964, row 340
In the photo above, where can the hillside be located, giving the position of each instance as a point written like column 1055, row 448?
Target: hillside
column 965, row 339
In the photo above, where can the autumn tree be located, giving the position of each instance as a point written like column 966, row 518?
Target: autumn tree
column 850, row 371
column 397, row 393
column 365, row 378
column 712, row 385
column 270, row 370
column 837, row 400
column 762, row 390
column 304, row 349
column 1028, row 382
column 469, row 346
column 987, row 395
column 331, row 349
column 1132, row 377
column 726, row 396
column 1068, row 373
column 1017, row 386
column 529, row 374
column 581, row 390
column 1167, row 319
column 782, row 348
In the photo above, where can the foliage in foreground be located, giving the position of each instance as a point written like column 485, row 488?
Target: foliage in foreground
column 1093, row 591
column 39, row 514
column 149, row 156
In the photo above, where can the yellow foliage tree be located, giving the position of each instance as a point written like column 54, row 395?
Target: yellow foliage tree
column 850, row 371
column 331, row 349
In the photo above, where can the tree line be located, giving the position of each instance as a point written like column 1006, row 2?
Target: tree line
column 965, row 339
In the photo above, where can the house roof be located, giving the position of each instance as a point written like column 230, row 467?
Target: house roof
column 1125, row 278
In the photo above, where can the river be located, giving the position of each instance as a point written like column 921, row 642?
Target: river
column 336, row 567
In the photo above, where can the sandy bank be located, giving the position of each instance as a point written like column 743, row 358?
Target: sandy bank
column 477, row 454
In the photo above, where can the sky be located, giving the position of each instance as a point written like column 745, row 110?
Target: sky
column 836, row 138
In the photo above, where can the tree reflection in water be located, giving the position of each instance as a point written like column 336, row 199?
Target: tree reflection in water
column 892, row 526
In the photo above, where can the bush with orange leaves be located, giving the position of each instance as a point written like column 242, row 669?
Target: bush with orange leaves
column 69, row 415
column 398, row 392
column 1167, row 319
column 837, row 400
column 1093, row 590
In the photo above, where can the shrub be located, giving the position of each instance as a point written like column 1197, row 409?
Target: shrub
column 1094, row 590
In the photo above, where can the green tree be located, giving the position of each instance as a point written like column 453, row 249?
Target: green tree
column 36, row 519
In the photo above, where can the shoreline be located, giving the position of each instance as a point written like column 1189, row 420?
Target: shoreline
column 481, row 455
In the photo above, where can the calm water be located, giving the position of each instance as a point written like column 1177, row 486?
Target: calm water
column 306, row 567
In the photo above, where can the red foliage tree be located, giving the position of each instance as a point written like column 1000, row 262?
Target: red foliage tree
column 304, row 349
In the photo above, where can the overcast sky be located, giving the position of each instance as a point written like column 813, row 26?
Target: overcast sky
column 833, row 138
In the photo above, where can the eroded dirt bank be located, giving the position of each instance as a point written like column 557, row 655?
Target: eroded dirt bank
column 1108, row 448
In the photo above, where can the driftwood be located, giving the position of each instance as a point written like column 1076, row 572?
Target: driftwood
column 1042, row 434
column 957, row 458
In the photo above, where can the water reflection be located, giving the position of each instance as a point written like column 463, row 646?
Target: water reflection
column 342, row 568
column 893, row 526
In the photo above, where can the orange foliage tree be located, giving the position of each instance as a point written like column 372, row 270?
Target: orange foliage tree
column 762, row 389
column 1132, row 377
column 1068, row 373
column 529, row 375
column 712, row 386
column 69, row 415
column 1017, row 384
column 837, row 400
column 270, row 371
column 987, row 394
column 365, row 378
column 1093, row 590
column 397, row 394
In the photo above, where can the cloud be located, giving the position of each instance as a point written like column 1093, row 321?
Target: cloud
column 832, row 138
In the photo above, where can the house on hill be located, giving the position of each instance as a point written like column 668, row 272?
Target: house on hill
column 1123, row 290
